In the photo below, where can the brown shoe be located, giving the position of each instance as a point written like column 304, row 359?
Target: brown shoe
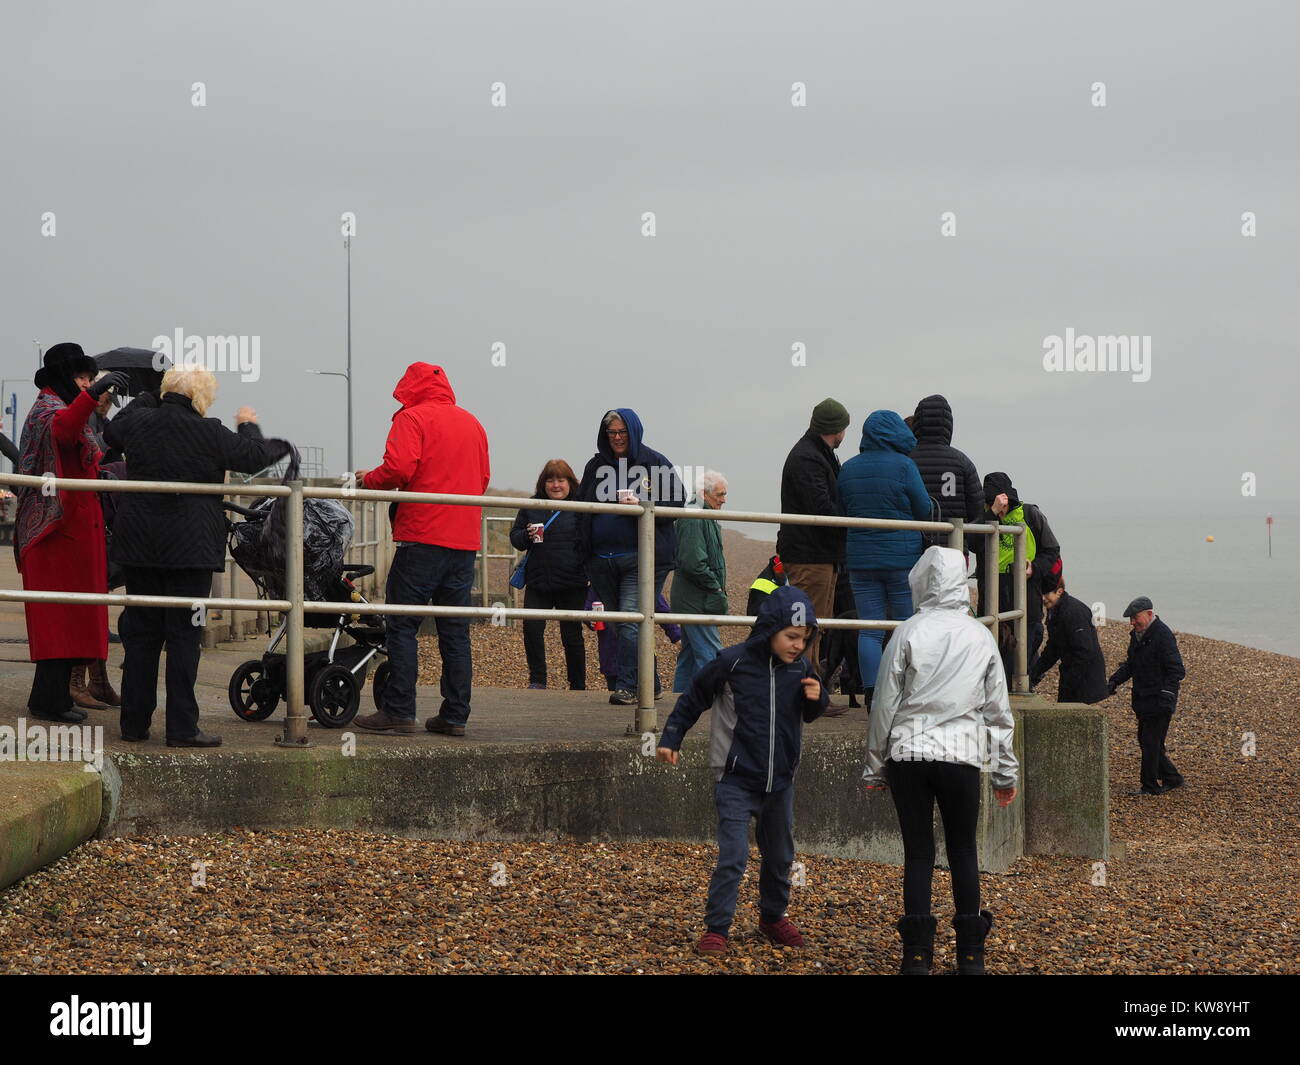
column 99, row 685
column 442, row 725
column 382, row 721
column 81, row 695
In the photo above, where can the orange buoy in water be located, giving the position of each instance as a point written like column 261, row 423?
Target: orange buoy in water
column 1209, row 539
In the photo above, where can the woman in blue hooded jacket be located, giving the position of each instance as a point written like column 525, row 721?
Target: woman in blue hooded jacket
column 881, row 481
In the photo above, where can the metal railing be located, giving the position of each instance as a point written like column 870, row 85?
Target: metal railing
column 294, row 606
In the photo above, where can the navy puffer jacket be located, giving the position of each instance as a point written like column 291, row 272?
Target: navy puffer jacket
column 882, row 482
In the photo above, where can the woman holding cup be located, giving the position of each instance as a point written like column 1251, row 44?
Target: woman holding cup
column 554, row 575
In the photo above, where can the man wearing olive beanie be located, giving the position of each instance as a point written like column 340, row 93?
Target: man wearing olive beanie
column 811, row 554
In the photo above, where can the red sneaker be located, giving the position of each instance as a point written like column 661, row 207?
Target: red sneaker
column 783, row 932
column 711, row 944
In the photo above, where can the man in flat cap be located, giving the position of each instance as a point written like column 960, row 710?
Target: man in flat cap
column 1156, row 668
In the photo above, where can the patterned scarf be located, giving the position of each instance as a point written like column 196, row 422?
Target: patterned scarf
column 39, row 513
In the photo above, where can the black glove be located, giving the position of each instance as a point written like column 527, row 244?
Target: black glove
column 117, row 379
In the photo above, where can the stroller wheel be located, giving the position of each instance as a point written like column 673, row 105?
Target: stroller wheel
column 252, row 696
column 334, row 696
column 380, row 684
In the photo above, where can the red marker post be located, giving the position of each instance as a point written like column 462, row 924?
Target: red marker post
column 1269, row 522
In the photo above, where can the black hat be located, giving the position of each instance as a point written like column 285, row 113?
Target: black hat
column 995, row 484
column 62, row 363
column 1138, row 605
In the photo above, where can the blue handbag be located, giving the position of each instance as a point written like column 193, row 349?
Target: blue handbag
column 517, row 578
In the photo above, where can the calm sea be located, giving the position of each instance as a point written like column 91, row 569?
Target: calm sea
column 1228, row 589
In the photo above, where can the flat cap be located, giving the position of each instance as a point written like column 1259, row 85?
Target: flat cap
column 1138, row 605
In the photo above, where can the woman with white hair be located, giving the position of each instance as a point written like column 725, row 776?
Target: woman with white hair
column 171, row 544
column 700, row 581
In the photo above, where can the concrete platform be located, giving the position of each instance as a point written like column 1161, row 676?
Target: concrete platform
column 534, row 764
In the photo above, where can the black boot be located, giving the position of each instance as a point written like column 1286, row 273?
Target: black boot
column 917, row 932
column 971, row 929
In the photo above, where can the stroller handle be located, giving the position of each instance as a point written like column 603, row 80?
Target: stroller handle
column 252, row 515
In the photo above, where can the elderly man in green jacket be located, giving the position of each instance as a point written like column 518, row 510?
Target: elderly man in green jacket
column 700, row 582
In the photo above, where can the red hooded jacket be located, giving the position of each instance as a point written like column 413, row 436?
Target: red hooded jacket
column 433, row 446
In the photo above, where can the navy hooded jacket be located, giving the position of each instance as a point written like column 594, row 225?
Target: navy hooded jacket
column 757, row 701
column 882, row 482
column 642, row 470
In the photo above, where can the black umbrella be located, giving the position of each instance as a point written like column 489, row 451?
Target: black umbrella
column 139, row 364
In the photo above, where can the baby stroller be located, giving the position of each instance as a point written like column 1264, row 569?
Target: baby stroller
column 334, row 677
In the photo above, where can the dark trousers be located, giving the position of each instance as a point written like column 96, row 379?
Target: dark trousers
column 575, row 651
column 145, row 631
column 1153, row 727
column 774, row 831
column 915, row 786
column 50, row 686
column 421, row 574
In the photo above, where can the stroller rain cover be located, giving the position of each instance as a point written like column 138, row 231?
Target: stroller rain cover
column 258, row 547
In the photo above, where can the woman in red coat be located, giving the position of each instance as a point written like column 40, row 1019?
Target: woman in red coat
column 59, row 536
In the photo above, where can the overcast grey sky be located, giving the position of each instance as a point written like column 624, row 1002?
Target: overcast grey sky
column 775, row 224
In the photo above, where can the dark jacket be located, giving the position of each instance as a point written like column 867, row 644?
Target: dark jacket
column 173, row 442
column 644, row 471
column 756, row 702
column 949, row 476
column 1155, row 667
column 555, row 563
column 810, row 485
column 1072, row 640
column 882, row 482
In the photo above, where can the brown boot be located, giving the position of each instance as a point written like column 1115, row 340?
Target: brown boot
column 100, row 687
column 78, row 691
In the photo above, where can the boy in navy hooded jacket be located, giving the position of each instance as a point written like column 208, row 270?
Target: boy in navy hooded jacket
column 760, row 692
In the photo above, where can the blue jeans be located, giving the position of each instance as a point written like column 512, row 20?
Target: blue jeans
column 420, row 574
column 775, row 835
column 614, row 581
column 701, row 644
column 873, row 591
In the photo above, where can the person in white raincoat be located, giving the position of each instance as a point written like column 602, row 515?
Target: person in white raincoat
column 940, row 715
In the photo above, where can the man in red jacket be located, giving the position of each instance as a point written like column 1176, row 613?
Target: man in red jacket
column 433, row 446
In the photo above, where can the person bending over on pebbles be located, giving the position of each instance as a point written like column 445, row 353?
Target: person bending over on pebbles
column 760, row 692
column 941, row 712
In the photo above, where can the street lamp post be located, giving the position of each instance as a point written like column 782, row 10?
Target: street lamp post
column 347, row 245
column 346, row 374
column 10, row 408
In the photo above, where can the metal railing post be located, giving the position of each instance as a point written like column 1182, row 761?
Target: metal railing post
column 991, row 577
column 295, row 721
column 957, row 538
column 646, row 718
column 483, row 568
column 1021, row 680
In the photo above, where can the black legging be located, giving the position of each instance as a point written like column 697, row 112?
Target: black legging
column 915, row 786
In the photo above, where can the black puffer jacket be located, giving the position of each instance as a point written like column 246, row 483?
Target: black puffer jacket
column 1072, row 640
column 950, row 477
column 810, row 485
column 173, row 442
column 555, row 563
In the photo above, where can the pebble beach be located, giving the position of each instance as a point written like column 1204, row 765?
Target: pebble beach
column 1204, row 881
